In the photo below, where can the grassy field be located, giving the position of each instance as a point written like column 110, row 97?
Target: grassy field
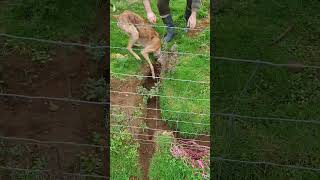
column 54, row 20
column 246, row 29
column 164, row 166
column 123, row 155
column 189, row 67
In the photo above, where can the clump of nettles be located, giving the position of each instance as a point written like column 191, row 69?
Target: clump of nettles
column 94, row 90
column 153, row 92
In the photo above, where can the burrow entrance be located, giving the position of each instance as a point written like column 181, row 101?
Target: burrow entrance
column 146, row 141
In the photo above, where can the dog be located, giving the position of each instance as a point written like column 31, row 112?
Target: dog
column 140, row 34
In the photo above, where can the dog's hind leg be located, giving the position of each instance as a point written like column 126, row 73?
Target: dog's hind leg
column 145, row 53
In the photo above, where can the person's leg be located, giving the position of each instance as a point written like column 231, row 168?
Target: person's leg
column 164, row 11
column 187, row 12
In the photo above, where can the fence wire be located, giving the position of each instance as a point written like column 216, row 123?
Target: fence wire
column 215, row 113
column 157, row 129
column 232, row 115
column 169, row 120
column 44, row 98
column 160, row 26
column 156, row 95
column 265, row 163
column 262, row 62
column 65, row 174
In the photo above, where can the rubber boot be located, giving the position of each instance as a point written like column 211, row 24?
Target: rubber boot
column 170, row 28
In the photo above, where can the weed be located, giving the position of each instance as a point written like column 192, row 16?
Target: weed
column 123, row 155
column 94, row 90
column 143, row 126
column 91, row 163
column 40, row 56
column 138, row 112
column 147, row 94
column 37, row 164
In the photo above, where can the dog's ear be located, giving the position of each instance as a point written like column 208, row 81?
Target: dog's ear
column 116, row 17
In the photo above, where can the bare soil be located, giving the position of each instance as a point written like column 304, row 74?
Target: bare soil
column 48, row 120
column 146, row 140
column 122, row 101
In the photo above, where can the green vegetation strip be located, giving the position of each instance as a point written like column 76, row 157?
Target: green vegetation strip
column 165, row 166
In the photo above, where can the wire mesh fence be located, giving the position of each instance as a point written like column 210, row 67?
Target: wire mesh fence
column 230, row 116
column 215, row 114
column 43, row 173
column 182, row 80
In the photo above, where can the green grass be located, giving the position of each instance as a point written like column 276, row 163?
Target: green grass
column 244, row 29
column 52, row 19
column 37, row 158
column 190, row 67
column 10, row 154
column 165, row 166
column 126, row 64
column 124, row 161
column 47, row 19
column 196, row 69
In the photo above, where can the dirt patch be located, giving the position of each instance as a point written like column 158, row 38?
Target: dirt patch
column 122, row 100
column 147, row 145
column 201, row 25
column 48, row 120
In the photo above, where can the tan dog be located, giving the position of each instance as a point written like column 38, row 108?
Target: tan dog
column 140, row 34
